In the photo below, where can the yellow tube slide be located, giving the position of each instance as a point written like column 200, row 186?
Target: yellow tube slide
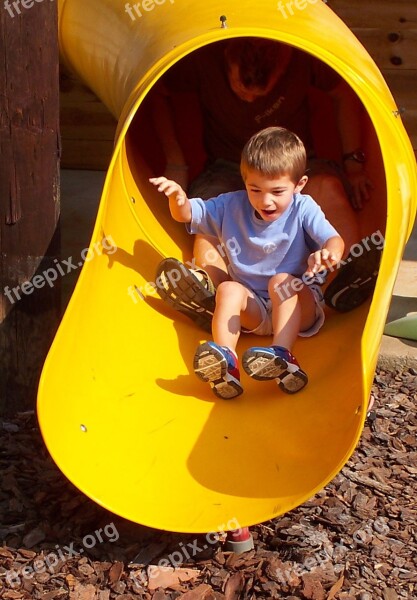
column 120, row 410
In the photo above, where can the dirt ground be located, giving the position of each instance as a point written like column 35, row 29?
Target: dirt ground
column 356, row 539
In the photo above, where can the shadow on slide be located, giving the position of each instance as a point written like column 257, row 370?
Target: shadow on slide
column 121, row 413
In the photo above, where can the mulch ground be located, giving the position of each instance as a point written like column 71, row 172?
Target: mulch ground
column 356, row 539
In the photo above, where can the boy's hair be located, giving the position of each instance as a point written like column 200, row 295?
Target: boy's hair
column 274, row 151
column 256, row 59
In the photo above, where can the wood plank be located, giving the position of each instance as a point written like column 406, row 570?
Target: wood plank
column 390, row 49
column 403, row 85
column 388, row 30
column 87, row 127
column 71, row 130
column 86, row 154
column 392, row 14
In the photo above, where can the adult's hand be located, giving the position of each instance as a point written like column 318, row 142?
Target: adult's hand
column 361, row 187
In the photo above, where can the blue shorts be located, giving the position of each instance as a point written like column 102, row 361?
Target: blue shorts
column 265, row 304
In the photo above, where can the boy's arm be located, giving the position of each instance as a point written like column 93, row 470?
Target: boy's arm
column 179, row 204
column 330, row 254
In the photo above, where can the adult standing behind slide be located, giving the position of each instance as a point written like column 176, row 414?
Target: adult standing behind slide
column 244, row 85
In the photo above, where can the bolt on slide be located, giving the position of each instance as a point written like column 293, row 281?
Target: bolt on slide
column 120, row 410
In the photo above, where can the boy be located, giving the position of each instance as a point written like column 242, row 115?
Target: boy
column 269, row 222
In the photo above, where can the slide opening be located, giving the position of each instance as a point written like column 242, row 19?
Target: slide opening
column 145, row 156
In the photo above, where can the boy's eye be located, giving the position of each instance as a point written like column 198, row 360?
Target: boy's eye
column 273, row 192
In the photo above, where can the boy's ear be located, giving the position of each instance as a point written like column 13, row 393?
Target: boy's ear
column 301, row 184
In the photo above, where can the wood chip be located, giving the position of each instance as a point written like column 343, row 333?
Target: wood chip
column 201, row 592
column 115, row 572
column 234, row 586
column 336, row 588
column 169, row 577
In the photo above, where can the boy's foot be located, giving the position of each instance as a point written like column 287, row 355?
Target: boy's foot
column 355, row 282
column 190, row 291
column 218, row 366
column 275, row 362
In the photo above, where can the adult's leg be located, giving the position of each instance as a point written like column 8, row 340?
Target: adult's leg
column 355, row 281
column 330, row 194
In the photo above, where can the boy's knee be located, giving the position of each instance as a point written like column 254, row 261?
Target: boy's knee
column 230, row 292
column 279, row 279
column 226, row 288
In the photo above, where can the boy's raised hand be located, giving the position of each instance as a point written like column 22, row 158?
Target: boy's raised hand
column 179, row 204
column 171, row 189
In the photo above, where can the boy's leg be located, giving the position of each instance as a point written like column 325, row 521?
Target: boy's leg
column 216, row 362
column 292, row 311
column 236, row 307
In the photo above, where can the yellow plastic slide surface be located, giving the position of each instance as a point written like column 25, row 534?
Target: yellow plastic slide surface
column 120, row 410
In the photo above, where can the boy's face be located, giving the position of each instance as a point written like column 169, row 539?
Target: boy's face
column 270, row 197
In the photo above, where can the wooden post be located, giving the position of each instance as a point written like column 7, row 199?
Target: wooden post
column 29, row 195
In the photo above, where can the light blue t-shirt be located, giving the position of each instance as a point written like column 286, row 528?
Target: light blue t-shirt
column 258, row 249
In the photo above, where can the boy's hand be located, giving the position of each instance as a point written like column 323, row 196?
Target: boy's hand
column 171, row 189
column 331, row 254
column 320, row 260
column 179, row 204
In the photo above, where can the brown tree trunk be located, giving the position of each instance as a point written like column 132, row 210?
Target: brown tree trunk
column 29, row 196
